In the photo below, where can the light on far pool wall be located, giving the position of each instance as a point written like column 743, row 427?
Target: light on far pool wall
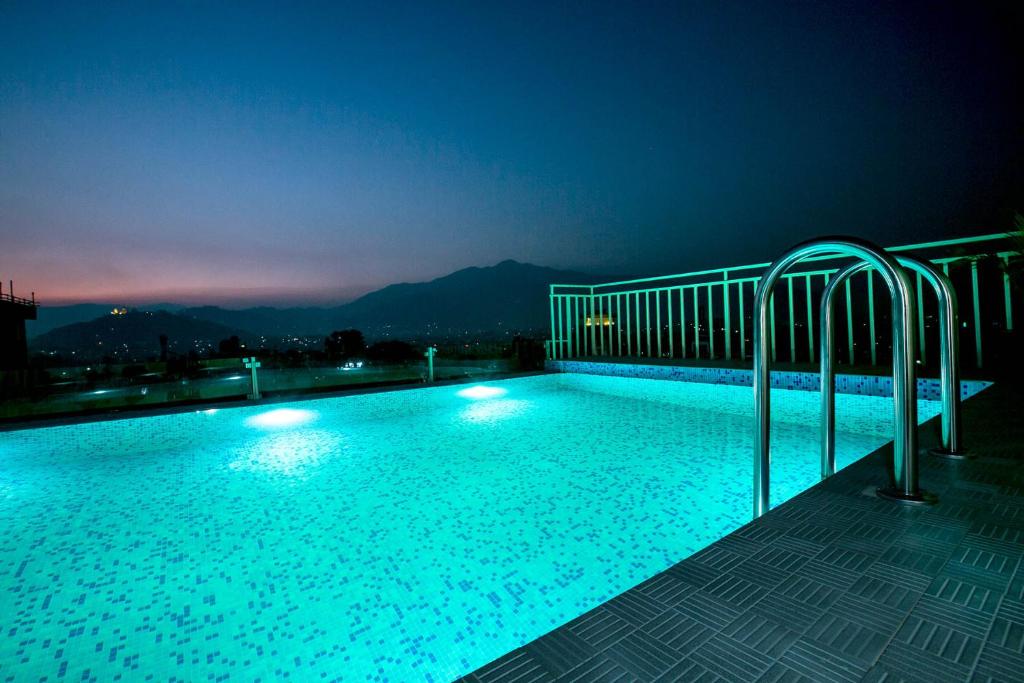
column 281, row 417
column 481, row 391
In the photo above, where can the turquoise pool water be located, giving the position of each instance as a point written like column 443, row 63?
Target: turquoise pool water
column 399, row 536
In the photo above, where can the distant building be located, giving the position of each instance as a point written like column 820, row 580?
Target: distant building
column 14, row 311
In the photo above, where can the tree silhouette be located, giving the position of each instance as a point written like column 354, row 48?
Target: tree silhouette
column 345, row 344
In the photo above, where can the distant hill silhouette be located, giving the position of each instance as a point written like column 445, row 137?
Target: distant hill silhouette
column 134, row 335
column 508, row 297
column 52, row 317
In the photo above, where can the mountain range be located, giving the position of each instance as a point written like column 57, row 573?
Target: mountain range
column 508, row 297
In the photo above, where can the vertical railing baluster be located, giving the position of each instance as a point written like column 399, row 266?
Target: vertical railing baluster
column 810, row 318
column 977, row 313
column 682, row 322
column 728, row 315
column 558, row 342
column 671, row 328
column 639, row 346
column 711, row 326
column 606, row 318
column 771, row 325
column 849, row 323
column 1006, row 294
column 696, row 324
column 616, row 324
column 743, row 323
column 657, row 316
column 647, row 318
column 792, row 323
column 629, row 328
column 871, row 316
column 920, row 322
column 569, row 325
column 576, row 321
column 593, row 332
column 599, row 324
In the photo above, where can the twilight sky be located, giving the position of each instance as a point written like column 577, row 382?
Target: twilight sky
column 307, row 153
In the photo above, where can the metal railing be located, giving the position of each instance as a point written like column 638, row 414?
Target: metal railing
column 904, row 376
column 949, row 364
column 704, row 314
column 9, row 295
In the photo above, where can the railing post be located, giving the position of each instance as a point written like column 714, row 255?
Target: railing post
column 551, row 304
column 977, row 314
column 430, row 361
column 1006, row 294
column 253, row 364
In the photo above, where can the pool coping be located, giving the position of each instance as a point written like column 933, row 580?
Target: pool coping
column 130, row 413
column 832, row 585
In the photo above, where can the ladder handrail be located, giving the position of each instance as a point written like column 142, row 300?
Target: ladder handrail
column 949, row 359
column 904, row 371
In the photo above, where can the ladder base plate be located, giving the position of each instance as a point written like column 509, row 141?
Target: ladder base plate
column 962, row 454
column 895, row 495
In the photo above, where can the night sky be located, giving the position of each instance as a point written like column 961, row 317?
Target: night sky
column 260, row 153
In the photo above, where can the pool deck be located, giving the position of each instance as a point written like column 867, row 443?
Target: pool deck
column 833, row 585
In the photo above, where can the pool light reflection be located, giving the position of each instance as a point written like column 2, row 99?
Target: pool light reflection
column 481, row 391
column 281, row 417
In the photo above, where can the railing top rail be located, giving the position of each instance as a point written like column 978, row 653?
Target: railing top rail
column 7, row 296
column 762, row 266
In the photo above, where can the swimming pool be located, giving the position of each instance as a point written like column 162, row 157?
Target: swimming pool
column 395, row 536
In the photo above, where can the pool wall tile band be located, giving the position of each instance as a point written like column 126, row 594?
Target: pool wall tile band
column 864, row 385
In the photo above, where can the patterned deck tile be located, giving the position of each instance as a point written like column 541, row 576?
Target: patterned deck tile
column 1008, row 626
column 850, row 639
column 708, row 610
column 821, row 663
column 834, row 585
column 642, row 655
column 679, row 632
column 600, row 628
column 635, row 607
column 731, row 659
column 735, row 591
column 914, row 664
column 666, row 589
column 560, row 651
column 597, row 670
column 761, row 634
column 998, row 664
column 688, row 671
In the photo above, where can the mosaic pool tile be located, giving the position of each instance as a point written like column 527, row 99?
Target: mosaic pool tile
column 400, row 536
column 867, row 385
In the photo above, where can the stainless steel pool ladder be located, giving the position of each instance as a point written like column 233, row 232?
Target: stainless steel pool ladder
column 949, row 360
column 904, row 384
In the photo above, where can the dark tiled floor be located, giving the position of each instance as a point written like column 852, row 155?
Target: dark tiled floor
column 834, row 585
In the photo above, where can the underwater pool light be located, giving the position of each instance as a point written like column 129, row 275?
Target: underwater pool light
column 281, row 417
column 482, row 391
